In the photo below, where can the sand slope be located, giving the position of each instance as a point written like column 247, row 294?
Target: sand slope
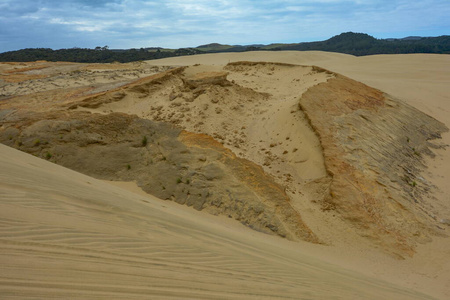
column 64, row 235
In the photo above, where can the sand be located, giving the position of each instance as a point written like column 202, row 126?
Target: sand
column 68, row 235
column 65, row 233
column 420, row 80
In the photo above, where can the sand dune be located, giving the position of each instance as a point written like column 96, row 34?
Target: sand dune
column 420, row 80
column 64, row 234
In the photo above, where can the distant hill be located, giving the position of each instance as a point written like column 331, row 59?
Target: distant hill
column 358, row 44
column 214, row 47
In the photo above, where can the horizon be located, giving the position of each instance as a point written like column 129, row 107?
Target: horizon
column 127, row 24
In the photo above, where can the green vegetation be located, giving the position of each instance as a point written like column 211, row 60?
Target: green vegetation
column 144, row 141
column 83, row 55
column 48, row 155
column 179, row 180
column 37, row 142
column 412, row 183
column 350, row 43
column 128, row 167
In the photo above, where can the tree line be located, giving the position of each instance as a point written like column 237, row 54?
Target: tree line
column 358, row 44
column 97, row 55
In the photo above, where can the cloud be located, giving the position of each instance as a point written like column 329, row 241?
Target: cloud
column 11, row 9
column 182, row 23
column 98, row 3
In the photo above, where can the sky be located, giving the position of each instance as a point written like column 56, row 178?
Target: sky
column 124, row 24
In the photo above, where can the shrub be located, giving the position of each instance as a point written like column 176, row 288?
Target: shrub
column 144, row 141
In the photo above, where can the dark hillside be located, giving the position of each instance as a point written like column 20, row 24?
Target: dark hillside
column 358, row 44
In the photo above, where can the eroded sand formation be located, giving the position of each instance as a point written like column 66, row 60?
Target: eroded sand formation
column 271, row 145
column 188, row 168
